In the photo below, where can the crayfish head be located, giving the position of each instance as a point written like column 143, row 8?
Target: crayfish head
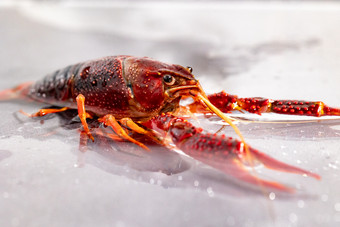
column 154, row 86
column 181, row 83
column 158, row 87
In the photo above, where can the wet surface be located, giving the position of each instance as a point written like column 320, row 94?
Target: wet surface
column 47, row 179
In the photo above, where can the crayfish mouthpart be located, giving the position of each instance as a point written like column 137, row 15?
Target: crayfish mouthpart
column 170, row 92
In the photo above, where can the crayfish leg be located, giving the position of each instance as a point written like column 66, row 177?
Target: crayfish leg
column 83, row 115
column 43, row 112
column 129, row 123
column 83, row 142
column 103, row 133
column 110, row 120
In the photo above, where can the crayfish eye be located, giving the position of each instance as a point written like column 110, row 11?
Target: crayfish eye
column 189, row 69
column 168, row 79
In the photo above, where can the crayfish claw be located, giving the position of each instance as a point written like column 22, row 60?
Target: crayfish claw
column 228, row 158
column 240, row 172
column 229, row 155
column 274, row 164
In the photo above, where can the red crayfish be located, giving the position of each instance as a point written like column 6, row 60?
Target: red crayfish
column 142, row 95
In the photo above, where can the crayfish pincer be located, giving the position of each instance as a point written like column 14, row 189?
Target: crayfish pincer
column 141, row 95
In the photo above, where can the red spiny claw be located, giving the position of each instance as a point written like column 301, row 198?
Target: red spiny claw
column 274, row 164
column 220, row 152
column 223, row 101
column 256, row 105
column 296, row 107
column 225, row 153
column 160, row 123
column 226, row 103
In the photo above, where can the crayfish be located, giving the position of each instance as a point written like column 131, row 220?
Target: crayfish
column 142, row 95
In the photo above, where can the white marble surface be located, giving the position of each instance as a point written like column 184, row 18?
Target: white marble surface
column 251, row 49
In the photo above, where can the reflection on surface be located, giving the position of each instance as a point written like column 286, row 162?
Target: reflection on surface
column 4, row 154
column 162, row 165
column 284, row 126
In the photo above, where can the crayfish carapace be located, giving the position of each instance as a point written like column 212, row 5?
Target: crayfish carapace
column 142, row 95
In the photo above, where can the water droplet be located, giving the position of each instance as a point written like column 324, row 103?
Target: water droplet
column 301, row 204
column 196, row 183
column 210, row 192
column 331, row 165
column 180, row 178
column 152, row 181
column 324, row 198
column 272, row 196
column 293, row 218
column 337, row 207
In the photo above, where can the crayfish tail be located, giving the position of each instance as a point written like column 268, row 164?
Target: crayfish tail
column 16, row 92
